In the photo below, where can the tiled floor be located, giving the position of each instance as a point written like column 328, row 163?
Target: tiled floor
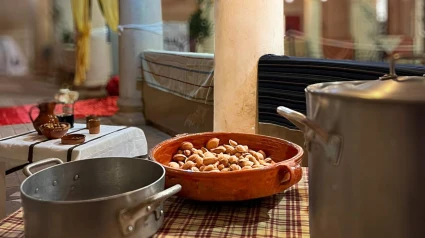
column 27, row 90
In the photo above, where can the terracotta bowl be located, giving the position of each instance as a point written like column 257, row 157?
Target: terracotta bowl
column 73, row 139
column 233, row 185
column 54, row 133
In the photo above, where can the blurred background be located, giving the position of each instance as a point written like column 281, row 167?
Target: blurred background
column 39, row 34
column 37, row 38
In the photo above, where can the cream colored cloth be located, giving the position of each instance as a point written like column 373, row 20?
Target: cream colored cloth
column 186, row 75
column 110, row 142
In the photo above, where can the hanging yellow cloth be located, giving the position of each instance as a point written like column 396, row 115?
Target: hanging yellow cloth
column 110, row 11
column 81, row 14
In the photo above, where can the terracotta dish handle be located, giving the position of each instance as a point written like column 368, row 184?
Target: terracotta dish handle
column 29, row 113
column 289, row 174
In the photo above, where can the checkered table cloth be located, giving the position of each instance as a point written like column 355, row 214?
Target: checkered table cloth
column 282, row 215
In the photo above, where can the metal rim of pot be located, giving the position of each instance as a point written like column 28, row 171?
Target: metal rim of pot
column 391, row 77
column 127, row 217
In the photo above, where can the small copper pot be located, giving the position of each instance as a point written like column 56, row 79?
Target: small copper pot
column 94, row 126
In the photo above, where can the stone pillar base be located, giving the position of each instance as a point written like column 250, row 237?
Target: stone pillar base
column 130, row 112
column 129, row 118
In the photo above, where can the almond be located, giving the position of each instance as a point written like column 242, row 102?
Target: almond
column 188, row 165
column 212, row 143
column 268, row 160
column 194, row 169
column 219, row 149
column 241, row 149
column 229, row 149
column 187, row 152
column 209, row 168
column 179, row 157
column 258, row 156
column 246, row 163
column 186, row 146
column 235, row 167
column 263, row 153
column 199, row 161
column 192, row 158
column 233, row 159
column 224, row 161
column 253, row 159
column 210, row 160
column 233, row 143
column 174, row 165
column 209, row 154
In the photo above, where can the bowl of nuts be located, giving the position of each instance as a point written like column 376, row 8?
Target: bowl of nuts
column 220, row 166
column 54, row 130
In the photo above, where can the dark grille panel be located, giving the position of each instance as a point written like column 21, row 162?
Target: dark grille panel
column 282, row 80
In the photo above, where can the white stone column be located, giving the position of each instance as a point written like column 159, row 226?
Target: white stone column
column 244, row 31
column 418, row 39
column 132, row 42
column 313, row 27
column 364, row 29
column 207, row 46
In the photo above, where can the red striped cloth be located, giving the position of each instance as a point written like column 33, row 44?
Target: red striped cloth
column 101, row 107
column 282, row 215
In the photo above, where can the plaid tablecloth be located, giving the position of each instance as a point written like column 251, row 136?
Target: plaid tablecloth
column 282, row 215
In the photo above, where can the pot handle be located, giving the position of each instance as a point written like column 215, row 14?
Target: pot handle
column 30, row 112
column 289, row 175
column 27, row 168
column 129, row 216
column 332, row 144
column 301, row 121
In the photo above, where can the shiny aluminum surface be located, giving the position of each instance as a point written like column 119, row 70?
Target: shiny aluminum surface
column 84, row 198
column 366, row 157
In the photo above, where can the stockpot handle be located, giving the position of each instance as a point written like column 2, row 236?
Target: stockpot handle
column 394, row 58
column 332, row 144
column 301, row 121
column 27, row 168
column 128, row 217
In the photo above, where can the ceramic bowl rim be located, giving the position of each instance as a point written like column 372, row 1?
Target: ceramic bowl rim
column 296, row 159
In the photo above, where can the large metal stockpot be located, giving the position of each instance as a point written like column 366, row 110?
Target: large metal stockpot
column 365, row 142
column 102, row 197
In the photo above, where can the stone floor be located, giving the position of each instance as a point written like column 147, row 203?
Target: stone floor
column 27, row 90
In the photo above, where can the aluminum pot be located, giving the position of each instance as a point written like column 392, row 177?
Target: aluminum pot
column 102, row 197
column 366, row 157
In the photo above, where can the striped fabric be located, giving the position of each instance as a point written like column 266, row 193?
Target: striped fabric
column 186, row 75
column 282, row 215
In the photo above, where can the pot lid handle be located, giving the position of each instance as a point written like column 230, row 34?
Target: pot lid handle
column 394, row 58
